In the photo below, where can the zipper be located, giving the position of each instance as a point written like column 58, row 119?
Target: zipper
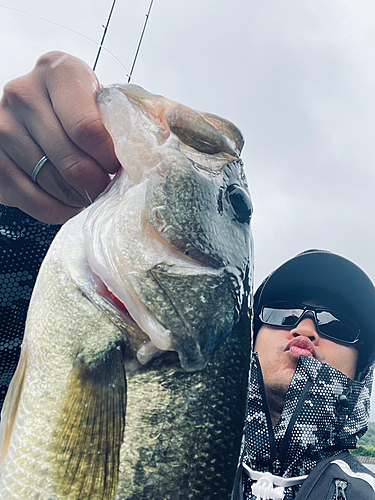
column 340, row 486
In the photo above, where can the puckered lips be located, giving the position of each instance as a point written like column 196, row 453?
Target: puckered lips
column 301, row 346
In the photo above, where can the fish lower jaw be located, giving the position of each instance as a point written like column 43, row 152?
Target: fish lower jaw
column 147, row 350
column 141, row 329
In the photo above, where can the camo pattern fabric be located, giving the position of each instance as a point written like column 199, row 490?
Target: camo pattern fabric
column 325, row 412
column 24, row 242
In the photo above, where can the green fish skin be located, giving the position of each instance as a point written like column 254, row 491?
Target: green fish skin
column 134, row 367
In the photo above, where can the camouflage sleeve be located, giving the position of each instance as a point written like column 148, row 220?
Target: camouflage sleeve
column 24, row 242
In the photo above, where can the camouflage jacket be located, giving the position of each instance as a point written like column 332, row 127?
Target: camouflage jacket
column 24, row 242
column 325, row 413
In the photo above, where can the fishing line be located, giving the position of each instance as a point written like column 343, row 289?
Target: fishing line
column 68, row 29
column 104, row 34
column 101, row 44
column 140, row 41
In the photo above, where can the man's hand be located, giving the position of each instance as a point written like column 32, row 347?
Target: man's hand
column 52, row 111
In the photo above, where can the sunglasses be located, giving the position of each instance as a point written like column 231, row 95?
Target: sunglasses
column 327, row 323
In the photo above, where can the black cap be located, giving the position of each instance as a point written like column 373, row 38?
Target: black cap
column 326, row 276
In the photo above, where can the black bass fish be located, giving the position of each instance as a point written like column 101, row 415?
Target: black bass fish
column 133, row 373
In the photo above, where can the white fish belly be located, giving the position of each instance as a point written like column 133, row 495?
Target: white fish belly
column 58, row 308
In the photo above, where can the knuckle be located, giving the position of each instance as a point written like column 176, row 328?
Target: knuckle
column 11, row 88
column 58, row 186
column 82, row 175
column 21, row 96
column 50, row 58
column 87, row 129
column 26, row 88
column 56, row 67
column 72, row 198
column 13, row 91
column 5, row 133
column 76, row 169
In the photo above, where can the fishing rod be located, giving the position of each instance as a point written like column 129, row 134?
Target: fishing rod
column 104, row 34
column 140, row 41
column 147, row 16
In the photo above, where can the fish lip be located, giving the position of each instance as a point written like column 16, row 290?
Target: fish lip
column 303, row 343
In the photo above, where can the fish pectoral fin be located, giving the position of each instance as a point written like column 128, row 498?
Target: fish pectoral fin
column 87, row 438
column 9, row 411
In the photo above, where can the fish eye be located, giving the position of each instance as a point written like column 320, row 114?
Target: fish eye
column 241, row 202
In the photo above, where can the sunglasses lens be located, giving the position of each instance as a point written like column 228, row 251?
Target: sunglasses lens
column 341, row 330
column 280, row 317
column 288, row 314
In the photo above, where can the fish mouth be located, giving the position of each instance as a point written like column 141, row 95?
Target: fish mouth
column 144, row 349
column 301, row 346
column 121, row 308
column 176, row 326
column 149, row 303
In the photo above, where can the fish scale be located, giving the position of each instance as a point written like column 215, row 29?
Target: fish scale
column 195, row 433
column 133, row 372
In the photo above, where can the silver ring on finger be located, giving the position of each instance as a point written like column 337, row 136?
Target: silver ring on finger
column 38, row 168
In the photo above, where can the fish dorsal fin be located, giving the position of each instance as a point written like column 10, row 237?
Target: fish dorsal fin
column 87, row 438
column 9, row 411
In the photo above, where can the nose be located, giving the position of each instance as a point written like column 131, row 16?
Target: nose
column 306, row 328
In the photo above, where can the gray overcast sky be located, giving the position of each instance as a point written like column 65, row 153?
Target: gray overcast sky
column 298, row 78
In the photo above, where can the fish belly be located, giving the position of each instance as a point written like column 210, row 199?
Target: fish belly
column 60, row 321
